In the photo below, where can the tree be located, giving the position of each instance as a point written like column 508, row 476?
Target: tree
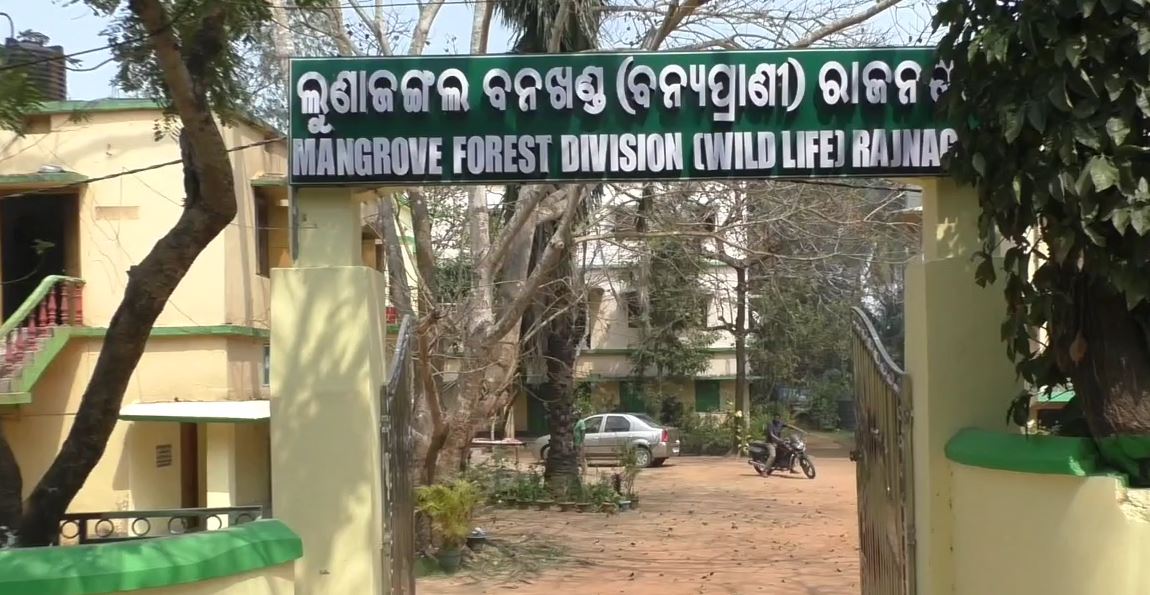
column 1051, row 102
column 186, row 55
column 674, row 338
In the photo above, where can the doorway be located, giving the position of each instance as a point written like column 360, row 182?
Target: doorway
column 38, row 237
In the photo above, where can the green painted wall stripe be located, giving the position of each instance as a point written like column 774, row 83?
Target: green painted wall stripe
column 629, row 350
column 66, row 178
column 148, row 564
column 1059, row 455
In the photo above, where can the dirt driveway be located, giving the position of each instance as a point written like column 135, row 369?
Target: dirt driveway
column 706, row 525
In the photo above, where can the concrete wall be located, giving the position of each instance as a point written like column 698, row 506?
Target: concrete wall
column 1028, row 533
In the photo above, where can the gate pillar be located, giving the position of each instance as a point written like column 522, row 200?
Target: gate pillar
column 327, row 366
column 960, row 373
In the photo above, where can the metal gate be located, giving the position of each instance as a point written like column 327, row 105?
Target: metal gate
column 396, row 445
column 883, row 454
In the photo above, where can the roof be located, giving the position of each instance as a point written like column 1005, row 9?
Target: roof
column 199, row 411
column 80, row 107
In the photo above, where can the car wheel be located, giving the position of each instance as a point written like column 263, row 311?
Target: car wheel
column 658, row 462
column 642, row 457
column 543, row 453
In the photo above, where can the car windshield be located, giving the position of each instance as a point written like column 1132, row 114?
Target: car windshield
column 647, row 420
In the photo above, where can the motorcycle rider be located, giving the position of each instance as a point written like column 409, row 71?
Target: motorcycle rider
column 775, row 441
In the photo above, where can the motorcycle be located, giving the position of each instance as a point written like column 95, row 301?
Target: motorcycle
column 792, row 451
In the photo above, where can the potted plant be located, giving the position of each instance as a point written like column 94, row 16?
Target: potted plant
column 450, row 508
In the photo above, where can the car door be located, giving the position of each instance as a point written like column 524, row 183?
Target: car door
column 593, row 436
column 616, row 435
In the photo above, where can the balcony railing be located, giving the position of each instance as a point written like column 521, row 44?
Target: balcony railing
column 126, row 525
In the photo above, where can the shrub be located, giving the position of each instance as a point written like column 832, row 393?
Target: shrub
column 450, row 507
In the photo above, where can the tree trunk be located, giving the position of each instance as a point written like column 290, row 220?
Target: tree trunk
column 209, row 206
column 742, row 395
column 1111, row 376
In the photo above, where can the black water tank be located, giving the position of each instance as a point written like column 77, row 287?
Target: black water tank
column 46, row 69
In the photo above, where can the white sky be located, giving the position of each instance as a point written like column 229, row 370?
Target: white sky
column 75, row 28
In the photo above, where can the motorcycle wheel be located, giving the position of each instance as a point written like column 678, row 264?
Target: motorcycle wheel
column 760, row 469
column 808, row 467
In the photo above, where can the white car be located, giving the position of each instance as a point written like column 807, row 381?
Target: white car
column 609, row 434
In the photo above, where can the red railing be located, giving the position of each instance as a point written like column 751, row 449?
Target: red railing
column 57, row 301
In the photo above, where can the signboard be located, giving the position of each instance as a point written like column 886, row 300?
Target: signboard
column 619, row 116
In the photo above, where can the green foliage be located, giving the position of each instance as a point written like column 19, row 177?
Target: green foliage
column 674, row 337
column 203, row 26
column 452, row 280
column 704, row 435
column 800, row 332
column 451, row 507
column 1051, row 102
column 831, row 388
column 17, row 98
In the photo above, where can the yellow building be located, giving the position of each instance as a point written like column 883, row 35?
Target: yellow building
column 83, row 196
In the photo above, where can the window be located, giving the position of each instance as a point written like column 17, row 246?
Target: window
column 591, row 424
column 267, row 374
column 617, row 423
column 647, row 419
column 634, row 308
column 625, row 218
column 262, row 236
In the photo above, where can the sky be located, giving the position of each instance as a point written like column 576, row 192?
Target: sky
column 74, row 27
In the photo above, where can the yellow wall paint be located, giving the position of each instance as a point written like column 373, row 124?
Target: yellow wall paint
column 253, row 465
column 1030, row 534
column 960, row 375
column 152, row 487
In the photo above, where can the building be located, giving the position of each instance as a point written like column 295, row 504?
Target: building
column 604, row 362
column 84, row 195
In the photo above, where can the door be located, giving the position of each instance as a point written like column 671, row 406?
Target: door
column 536, row 413
column 883, row 455
column 616, row 435
column 707, row 396
column 593, row 437
column 631, row 398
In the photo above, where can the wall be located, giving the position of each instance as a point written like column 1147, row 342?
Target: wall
column 250, row 559
column 1037, row 516
column 151, row 487
column 253, row 465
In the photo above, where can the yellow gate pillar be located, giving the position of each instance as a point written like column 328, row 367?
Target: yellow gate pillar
column 327, row 352
column 960, row 373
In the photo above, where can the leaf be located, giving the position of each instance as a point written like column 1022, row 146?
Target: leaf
column 1144, row 102
column 1140, row 220
column 1013, row 125
column 1058, row 96
column 1103, row 173
column 1036, row 115
column 1073, row 47
column 1118, row 129
column 979, row 163
column 1086, row 136
column 1078, row 348
column 1120, row 218
column 1112, row 6
column 1115, row 85
column 1088, row 7
column 1144, row 41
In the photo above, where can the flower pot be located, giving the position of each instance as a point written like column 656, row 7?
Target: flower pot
column 634, row 503
column 450, row 560
column 566, row 506
column 544, row 504
column 510, row 502
column 582, row 507
column 477, row 540
column 522, row 504
column 609, row 507
column 624, row 505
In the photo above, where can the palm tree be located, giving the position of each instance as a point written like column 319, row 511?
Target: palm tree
column 555, row 26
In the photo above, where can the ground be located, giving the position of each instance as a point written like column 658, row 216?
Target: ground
column 705, row 525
